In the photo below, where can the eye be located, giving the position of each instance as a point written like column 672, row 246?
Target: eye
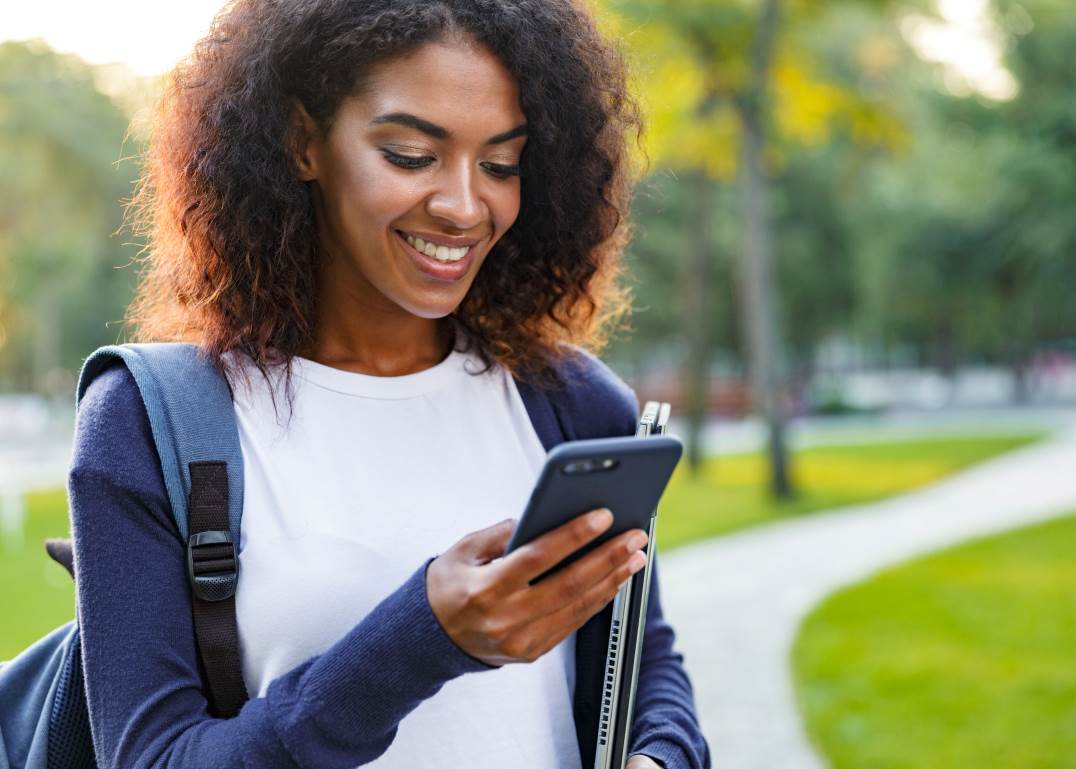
column 500, row 171
column 406, row 161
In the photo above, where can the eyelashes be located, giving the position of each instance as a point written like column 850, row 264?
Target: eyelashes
column 496, row 170
column 406, row 161
column 501, row 171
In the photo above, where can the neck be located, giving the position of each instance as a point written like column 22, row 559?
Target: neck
column 394, row 351
column 366, row 333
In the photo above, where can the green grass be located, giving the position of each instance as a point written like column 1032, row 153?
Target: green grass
column 37, row 593
column 730, row 492
column 964, row 659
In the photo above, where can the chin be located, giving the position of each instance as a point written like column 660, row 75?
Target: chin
column 432, row 309
column 436, row 301
column 433, row 313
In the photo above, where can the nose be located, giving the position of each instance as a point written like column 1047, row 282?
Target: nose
column 457, row 202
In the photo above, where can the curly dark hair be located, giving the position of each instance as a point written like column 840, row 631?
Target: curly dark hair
column 232, row 260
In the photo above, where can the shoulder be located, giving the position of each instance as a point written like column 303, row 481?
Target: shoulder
column 113, row 432
column 115, row 469
column 591, row 396
column 112, row 397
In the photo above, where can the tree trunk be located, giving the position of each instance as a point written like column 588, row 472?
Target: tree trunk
column 47, row 340
column 697, row 370
column 1021, row 387
column 758, row 291
column 1017, row 357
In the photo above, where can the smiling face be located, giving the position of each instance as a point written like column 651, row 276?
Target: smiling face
column 425, row 156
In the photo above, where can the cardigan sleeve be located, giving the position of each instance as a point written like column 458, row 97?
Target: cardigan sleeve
column 144, row 690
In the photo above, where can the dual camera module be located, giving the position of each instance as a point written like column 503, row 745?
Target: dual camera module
column 589, row 466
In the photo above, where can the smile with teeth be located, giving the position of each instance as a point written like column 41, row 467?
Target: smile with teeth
column 440, row 253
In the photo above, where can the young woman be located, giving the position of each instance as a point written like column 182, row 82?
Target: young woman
column 389, row 223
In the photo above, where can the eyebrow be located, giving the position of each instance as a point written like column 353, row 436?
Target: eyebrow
column 437, row 132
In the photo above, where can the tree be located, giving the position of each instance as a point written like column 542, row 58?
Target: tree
column 713, row 71
column 763, row 335
column 60, row 140
column 966, row 242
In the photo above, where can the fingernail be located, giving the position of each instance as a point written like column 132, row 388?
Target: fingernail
column 638, row 541
column 637, row 562
column 600, row 520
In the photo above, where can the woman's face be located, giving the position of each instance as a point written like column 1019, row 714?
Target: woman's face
column 425, row 158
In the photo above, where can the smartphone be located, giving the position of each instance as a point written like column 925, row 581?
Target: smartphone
column 626, row 475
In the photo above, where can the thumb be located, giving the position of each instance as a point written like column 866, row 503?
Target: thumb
column 486, row 544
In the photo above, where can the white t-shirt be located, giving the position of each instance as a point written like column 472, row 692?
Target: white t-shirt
column 372, row 476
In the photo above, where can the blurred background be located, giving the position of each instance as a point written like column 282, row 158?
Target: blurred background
column 854, row 265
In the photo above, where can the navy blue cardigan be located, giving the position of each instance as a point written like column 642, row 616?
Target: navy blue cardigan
column 341, row 708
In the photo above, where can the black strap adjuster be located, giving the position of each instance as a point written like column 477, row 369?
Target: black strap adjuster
column 212, row 566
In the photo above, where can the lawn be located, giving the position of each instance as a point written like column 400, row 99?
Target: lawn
column 38, row 594
column 960, row 660
column 728, row 494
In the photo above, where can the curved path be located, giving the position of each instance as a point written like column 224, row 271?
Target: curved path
column 737, row 601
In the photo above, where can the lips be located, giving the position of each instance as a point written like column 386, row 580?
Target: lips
column 441, row 271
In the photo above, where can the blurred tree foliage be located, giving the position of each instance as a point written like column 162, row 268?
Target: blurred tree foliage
column 922, row 226
column 60, row 150
column 826, row 132
column 728, row 86
column 916, row 225
column 966, row 242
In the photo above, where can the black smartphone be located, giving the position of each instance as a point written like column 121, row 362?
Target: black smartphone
column 626, row 475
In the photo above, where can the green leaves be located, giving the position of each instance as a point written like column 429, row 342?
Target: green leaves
column 61, row 143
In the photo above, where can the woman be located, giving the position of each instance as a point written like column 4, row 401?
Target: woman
column 385, row 221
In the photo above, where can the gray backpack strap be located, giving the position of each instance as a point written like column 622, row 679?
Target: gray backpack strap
column 190, row 414
column 192, row 418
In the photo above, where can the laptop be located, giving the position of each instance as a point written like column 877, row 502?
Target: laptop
column 626, row 631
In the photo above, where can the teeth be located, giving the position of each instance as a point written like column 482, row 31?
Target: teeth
column 440, row 253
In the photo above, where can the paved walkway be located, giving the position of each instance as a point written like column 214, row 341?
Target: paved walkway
column 737, row 602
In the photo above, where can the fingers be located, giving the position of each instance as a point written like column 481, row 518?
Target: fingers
column 553, row 628
column 484, row 545
column 541, row 554
column 492, row 611
column 567, row 585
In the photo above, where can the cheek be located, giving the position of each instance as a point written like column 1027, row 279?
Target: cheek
column 368, row 196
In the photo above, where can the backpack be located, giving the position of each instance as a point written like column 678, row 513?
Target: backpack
column 44, row 722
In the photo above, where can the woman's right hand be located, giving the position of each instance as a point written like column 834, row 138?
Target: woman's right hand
column 487, row 605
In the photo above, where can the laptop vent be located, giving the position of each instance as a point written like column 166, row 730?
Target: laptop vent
column 607, row 689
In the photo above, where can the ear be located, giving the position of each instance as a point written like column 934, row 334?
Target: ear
column 304, row 135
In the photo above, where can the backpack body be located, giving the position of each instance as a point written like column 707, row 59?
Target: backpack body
column 43, row 718
column 44, row 722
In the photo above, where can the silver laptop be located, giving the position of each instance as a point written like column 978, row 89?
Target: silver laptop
column 626, row 631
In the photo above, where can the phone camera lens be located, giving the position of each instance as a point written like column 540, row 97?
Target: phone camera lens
column 575, row 468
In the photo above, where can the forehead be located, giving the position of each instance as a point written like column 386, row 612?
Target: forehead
column 462, row 86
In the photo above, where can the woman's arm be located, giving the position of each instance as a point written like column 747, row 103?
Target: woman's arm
column 147, row 708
